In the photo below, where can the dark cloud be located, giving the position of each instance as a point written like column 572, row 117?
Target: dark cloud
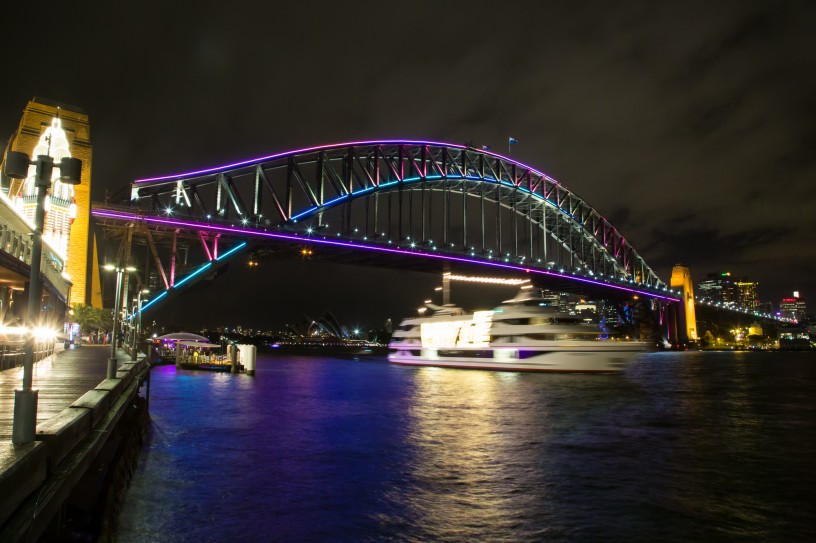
column 741, row 33
column 712, row 246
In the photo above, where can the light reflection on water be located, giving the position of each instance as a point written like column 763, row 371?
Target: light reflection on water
column 458, row 435
column 685, row 446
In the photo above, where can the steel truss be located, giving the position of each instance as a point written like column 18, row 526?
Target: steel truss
column 429, row 196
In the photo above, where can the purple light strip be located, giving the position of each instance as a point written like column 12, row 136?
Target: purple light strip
column 292, row 237
column 335, row 146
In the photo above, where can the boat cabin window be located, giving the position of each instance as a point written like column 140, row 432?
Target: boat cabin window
column 534, row 303
column 514, row 321
column 526, row 320
column 565, row 320
column 563, row 337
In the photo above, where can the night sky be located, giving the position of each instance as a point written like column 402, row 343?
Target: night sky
column 690, row 125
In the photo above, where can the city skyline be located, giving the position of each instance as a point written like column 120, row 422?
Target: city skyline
column 689, row 130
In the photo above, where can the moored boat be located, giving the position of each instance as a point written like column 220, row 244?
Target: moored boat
column 162, row 349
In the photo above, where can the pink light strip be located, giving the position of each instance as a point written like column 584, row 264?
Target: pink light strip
column 292, row 237
column 204, row 243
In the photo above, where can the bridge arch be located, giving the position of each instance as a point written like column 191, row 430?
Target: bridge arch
column 414, row 194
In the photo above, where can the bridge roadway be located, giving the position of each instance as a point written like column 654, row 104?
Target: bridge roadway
column 78, row 408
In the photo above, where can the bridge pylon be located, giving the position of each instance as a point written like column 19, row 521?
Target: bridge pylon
column 686, row 327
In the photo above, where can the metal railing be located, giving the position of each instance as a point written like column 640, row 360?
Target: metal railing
column 11, row 353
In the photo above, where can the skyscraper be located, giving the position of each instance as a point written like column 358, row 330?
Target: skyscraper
column 793, row 308
column 719, row 288
column 747, row 293
column 722, row 288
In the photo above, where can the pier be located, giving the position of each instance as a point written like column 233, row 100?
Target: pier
column 79, row 412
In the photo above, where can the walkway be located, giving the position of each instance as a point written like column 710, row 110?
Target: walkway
column 61, row 380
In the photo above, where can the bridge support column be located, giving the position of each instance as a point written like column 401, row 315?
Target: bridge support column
column 648, row 320
column 669, row 318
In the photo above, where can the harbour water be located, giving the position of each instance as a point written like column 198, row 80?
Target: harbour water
column 681, row 447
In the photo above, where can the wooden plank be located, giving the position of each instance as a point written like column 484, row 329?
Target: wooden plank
column 61, row 379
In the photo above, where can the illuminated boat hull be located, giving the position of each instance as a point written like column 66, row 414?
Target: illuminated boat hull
column 611, row 358
column 514, row 337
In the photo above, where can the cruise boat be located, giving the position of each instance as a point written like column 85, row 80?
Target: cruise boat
column 522, row 334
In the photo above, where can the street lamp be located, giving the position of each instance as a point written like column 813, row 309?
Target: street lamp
column 16, row 166
column 117, row 307
column 137, row 326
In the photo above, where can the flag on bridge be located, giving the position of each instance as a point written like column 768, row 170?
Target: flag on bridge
column 485, row 147
column 510, row 141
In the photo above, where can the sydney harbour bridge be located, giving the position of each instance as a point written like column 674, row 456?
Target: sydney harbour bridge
column 424, row 206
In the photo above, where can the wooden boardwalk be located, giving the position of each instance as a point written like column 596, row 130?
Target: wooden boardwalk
column 61, row 379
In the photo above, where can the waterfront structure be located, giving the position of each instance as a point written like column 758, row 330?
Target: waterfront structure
column 85, row 424
column 17, row 250
column 59, row 130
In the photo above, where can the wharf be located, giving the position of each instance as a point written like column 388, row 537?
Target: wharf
column 79, row 412
column 61, row 379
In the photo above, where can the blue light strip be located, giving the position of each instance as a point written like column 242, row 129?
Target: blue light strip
column 203, row 268
column 154, row 300
column 231, row 251
column 333, row 201
column 299, row 215
column 197, row 272
column 314, row 209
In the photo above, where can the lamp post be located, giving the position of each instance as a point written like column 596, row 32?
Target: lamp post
column 137, row 325
column 117, row 307
column 16, row 167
